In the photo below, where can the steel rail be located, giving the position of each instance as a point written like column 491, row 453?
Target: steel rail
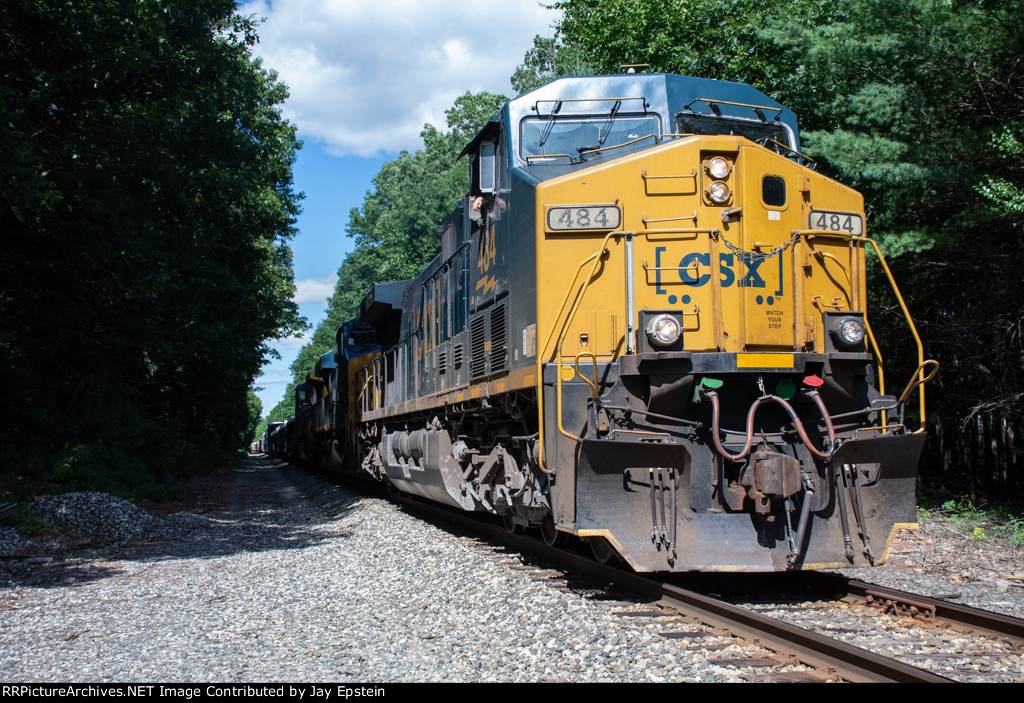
column 823, row 652
column 973, row 619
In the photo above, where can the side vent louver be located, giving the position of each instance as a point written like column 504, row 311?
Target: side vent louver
column 477, row 346
column 488, row 339
column 498, row 337
column 442, row 361
column 457, row 356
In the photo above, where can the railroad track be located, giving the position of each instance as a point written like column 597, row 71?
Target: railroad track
column 775, row 644
column 960, row 642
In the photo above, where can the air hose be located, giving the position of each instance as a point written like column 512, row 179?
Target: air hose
column 716, row 412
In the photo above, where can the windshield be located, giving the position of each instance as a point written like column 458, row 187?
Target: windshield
column 576, row 135
column 360, row 339
column 754, row 130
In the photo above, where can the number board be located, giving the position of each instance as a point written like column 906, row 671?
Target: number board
column 837, row 222
column 585, row 217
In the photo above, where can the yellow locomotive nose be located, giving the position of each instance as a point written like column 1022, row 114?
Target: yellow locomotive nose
column 718, row 245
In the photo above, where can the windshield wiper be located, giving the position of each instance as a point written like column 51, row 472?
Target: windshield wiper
column 549, row 124
column 606, row 130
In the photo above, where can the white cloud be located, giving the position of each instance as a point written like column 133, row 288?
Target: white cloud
column 314, row 290
column 285, row 345
column 365, row 76
column 268, row 382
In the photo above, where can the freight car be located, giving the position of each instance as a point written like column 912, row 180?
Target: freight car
column 647, row 328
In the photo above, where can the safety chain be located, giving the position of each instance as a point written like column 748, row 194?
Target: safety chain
column 753, row 257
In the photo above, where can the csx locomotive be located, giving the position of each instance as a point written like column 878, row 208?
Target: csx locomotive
column 646, row 328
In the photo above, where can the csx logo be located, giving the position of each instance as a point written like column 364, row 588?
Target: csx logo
column 691, row 265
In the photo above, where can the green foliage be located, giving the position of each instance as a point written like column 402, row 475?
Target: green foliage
column 1011, row 529
column 549, row 59
column 24, row 519
column 255, row 412
column 962, row 510
column 145, row 206
column 1007, row 195
column 721, row 39
column 395, row 227
column 908, row 96
column 68, row 466
column 114, row 467
column 981, row 523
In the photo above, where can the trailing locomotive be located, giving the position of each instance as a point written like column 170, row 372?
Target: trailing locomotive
column 646, row 328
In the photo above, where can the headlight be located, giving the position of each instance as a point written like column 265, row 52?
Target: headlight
column 850, row 331
column 718, row 192
column 719, row 168
column 663, row 330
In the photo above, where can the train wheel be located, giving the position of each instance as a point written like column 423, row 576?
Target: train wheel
column 510, row 524
column 601, row 550
column 552, row 537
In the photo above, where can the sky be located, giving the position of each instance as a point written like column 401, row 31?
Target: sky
column 364, row 77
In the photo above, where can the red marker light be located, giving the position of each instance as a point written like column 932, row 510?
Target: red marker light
column 813, row 381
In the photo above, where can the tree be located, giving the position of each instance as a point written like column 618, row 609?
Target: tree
column 720, row 39
column 145, row 206
column 549, row 59
column 909, row 98
column 1006, row 191
column 255, row 411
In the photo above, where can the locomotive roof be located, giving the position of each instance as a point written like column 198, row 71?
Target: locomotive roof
column 327, row 361
column 382, row 308
column 381, row 299
column 641, row 93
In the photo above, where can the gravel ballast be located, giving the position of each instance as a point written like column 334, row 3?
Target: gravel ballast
column 300, row 580
column 282, row 576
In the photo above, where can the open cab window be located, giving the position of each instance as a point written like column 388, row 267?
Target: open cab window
column 756, row 130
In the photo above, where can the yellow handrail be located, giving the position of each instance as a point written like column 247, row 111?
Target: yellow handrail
column 918, row 378
column 616, row 146
column 593, row 384
column 541, row 352
column 867, row 325
column 596, row 258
